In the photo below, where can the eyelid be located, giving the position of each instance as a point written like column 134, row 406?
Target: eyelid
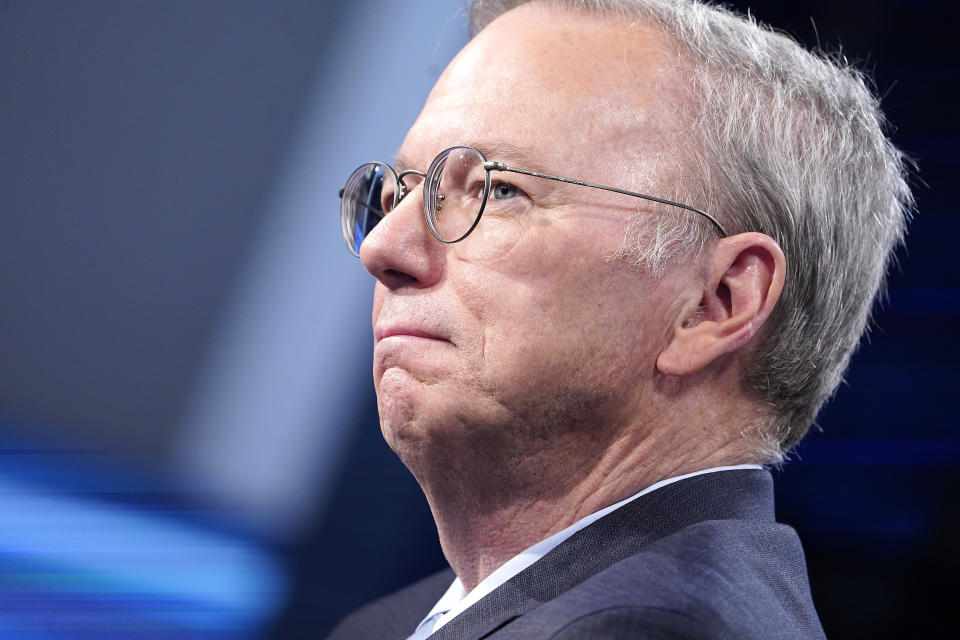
column 513, row 183
column 541, row 193
column 494, row 182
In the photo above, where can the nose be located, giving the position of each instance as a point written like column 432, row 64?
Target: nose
column 400, row 251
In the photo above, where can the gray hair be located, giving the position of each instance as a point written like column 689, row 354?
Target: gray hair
column 791, row 144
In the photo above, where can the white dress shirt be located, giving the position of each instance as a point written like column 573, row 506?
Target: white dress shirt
column 457, row 599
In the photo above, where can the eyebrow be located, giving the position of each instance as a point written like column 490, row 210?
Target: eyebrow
column 508, row 153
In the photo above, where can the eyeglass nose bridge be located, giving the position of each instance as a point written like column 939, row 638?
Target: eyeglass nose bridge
column 403, row 185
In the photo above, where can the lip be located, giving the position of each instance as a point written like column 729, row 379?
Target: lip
column 379, row 333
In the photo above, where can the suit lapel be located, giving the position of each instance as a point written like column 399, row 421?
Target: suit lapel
column 735, row 494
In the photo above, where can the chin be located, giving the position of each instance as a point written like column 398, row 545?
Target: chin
column 416, row 418
column 403, row 401
column 410, row 440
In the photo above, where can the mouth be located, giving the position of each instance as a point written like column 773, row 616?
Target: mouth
column 381, row 333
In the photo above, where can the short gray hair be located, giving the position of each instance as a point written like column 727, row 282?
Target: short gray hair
column 791, row 144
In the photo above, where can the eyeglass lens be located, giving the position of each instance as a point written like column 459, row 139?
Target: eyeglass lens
column 370, row 193
column 456, row 188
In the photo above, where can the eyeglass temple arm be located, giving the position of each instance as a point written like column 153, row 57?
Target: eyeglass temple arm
column 499, row 166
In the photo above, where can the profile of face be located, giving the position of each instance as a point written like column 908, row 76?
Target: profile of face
column 527, row 332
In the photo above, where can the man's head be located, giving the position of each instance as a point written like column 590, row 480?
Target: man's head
column 787, row 143
column 572, row 318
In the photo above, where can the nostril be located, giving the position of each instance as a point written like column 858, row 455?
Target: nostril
column 394, row 278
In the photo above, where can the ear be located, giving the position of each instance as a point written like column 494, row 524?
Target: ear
column 742, row 284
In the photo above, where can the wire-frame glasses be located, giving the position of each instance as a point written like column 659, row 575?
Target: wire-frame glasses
column 456, row 191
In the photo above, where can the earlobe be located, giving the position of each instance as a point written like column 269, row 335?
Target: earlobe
column 740, row 288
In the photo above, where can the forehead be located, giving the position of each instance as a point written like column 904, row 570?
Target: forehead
column 564, row 86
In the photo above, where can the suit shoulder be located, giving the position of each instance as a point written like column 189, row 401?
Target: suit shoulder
column 395, row 615
column 716, row 579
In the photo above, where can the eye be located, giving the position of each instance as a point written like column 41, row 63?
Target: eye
column 503, row 191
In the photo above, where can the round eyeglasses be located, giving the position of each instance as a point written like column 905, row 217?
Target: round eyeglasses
column 456, row 190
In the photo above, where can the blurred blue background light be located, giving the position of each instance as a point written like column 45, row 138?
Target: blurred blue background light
column 89, row 566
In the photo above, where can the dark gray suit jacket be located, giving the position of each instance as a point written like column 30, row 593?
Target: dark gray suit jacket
column 699, row 558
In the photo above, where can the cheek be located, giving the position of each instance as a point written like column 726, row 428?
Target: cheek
column 583, row 322
column 552, row 300
column 530, row 332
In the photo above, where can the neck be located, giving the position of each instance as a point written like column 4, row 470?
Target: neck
column 497, row 506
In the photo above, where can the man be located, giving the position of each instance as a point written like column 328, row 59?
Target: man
column 622, row 258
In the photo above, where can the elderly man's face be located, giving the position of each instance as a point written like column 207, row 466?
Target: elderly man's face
column 527, row 331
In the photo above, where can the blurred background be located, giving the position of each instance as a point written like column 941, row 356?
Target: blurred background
column 189, row 444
